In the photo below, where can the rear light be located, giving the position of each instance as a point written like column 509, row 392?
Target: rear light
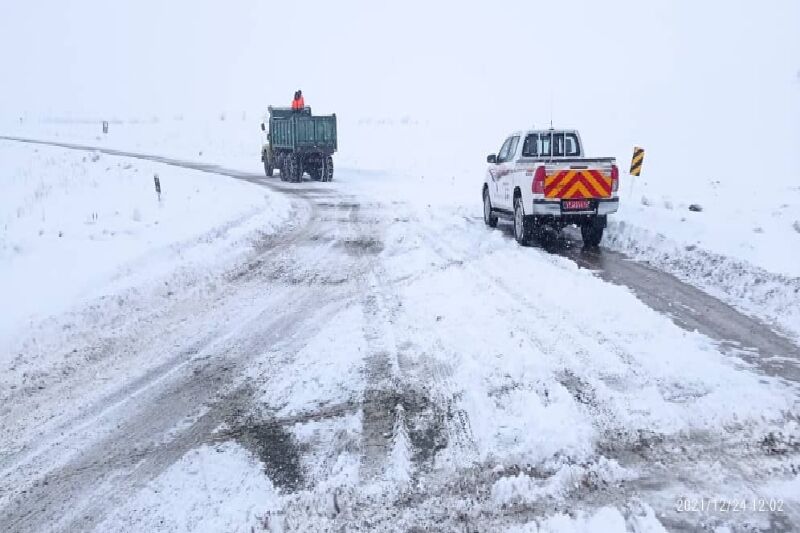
column 614, row 178
column 538, row 181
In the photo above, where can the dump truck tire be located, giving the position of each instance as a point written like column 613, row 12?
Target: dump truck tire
column 294, row 169
column 327, row 169
column 284, row 168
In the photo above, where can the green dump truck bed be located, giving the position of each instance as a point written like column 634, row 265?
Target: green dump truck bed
column 301, row 132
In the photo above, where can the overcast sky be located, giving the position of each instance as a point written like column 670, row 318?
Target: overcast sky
column 649, row 68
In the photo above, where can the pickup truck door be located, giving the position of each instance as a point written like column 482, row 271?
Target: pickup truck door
column 506, row 163
column 493, row 177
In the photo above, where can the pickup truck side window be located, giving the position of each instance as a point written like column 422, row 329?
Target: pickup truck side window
column 529, row 146
column 512, row 151
column 573, row 147
column 502, row 155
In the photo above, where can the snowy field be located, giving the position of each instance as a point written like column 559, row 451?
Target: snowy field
column 743, row 252
column 77, row 226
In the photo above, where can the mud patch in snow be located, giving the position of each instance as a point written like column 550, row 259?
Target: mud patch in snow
column 276, row 448
column 361, row 246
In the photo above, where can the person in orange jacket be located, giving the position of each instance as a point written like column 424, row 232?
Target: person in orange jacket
column 298, row 103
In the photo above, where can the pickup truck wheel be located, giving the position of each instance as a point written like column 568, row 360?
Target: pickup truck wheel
column 592, row 232
column 488, row 218
column 522, row 228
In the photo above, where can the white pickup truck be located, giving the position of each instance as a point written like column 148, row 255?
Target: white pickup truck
column 541, row 178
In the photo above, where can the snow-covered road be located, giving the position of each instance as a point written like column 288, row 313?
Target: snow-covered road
column 381, row 364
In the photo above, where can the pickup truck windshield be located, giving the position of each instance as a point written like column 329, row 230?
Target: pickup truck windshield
column 561, row 144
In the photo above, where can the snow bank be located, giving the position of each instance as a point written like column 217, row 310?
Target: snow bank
column 770, row 295
column 74, row 226
column 522, row 489
column 605, row 519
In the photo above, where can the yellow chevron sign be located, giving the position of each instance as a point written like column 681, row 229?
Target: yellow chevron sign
column 636, row 162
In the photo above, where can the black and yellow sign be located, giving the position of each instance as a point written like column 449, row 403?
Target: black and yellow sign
column 636, row 162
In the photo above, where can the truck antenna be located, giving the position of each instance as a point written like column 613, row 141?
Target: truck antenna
column 551, row 110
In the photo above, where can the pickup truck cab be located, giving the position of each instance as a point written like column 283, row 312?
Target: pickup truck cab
column 541, row 178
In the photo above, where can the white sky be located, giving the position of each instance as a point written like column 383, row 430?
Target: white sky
column 648, row 69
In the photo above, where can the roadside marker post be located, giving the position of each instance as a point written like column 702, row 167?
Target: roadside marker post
column 636, row 165
column 158, row 187
column 105, row 126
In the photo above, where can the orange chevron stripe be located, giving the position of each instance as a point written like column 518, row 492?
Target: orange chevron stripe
column 578, row 190
column 549, row 180
column 566, row 180
column 603, row 185
column 603, row 180
column 593, row 185
column 565, row 184
column 587, row 183
column 561, row 183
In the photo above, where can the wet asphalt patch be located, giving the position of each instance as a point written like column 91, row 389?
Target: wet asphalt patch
column 362, row 246
column 277, row 449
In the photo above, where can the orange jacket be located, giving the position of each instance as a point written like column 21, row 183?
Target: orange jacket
column 298, row 103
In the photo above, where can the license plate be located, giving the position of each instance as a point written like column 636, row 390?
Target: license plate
column 576, row 205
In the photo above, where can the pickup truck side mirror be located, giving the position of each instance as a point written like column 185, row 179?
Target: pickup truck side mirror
column 491, row 158
column 263, row 128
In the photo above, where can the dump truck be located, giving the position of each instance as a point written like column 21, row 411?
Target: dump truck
column 541, row 178
column 299, row 142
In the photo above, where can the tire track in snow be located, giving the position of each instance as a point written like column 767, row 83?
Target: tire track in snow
column 76, row 482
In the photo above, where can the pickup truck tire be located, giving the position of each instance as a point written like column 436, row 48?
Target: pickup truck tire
column 488, row 218
column 523, row 225
column 592, row 231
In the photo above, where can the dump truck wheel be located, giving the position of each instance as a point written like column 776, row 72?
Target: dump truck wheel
column 294, row 172
column 284, row 168
column 268, row 169
column 327, row 169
